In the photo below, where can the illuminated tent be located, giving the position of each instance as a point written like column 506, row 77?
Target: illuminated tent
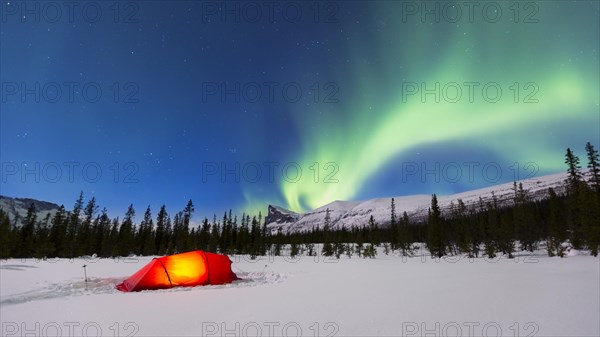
column 181, row 270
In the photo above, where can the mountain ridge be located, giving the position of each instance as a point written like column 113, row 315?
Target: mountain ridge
column 348, row 214
column 17, row 208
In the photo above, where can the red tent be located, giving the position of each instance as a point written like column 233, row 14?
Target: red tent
column 181, row 270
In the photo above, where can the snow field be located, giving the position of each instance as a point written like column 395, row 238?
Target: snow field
column 533, row 295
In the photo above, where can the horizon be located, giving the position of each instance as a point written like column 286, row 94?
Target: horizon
column 197, row 219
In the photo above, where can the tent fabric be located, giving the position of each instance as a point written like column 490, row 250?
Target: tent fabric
column 181, row 270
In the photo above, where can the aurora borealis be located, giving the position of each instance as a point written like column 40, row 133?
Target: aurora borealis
column 360, row 123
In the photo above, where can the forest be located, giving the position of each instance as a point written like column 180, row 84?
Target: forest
column 560, row 221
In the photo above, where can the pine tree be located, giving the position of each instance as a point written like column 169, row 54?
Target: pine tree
column 394, row 231
column 243, row 236
column 558, row 231
column 265, row 234
column 5, row 235
column 574, row 173
column 327, row 249
column 42, row 244
column 506, row 242
column 404, row 241
column 310, row 249
column 27, row 232
column 435, row 242
column 370, row 251
column 160, row 240
column 574, row 197
column 293, row 248
column 359, row 249
column 126, row 233
column 490, row 230
column 349, row 249
column 463, row 239
column 73, row 227
column 84, row 239
column 188, row 212
column 591, row 202
column 147, row 240
column 255, row 238
column 113, row 240
column 594, row 166
column 327, row 220
column 204, row 236
column 102, row 234
column 373, row 231
column 169, row 237
column 214, row 236
column 523, row 219
column 58, row 232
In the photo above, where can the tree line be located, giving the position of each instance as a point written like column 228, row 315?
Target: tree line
column 487, row 229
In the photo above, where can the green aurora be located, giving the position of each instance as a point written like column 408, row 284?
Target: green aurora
column 378, row 120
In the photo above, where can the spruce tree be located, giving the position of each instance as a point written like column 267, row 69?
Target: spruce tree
column 113, row 241
column 58, row 232
column 524, row 219
column 214, row 236
column 491, row 228
column 255, row 238
column 84, row 232
column 310, row 248
column 557, row 231
column 179, row 235
column 73, row 227
column 101, row 234
column 204, row 236
column 370, row 251
column 327, row 249
column 349, row 249
column 373, row 228
column 575, row 199
column 574, row 174
column 293, row 249
column 42, row 244
column 435, row 242
column 394, row 231
column 594, row 166
column 591, row 202
column 327, row 220
column 188, row 212
column 5, row 235
column 126, row 233
column 147, row 239
column 461, row 228
column 404, row 240
column 160, row 241
column 27, row 232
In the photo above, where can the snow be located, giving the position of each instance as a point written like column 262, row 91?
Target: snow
column 390, row 295
column 350, row 214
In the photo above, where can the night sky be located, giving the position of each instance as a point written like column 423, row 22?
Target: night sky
column 226, row 107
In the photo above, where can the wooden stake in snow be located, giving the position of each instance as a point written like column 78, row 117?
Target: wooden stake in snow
column 85, row 275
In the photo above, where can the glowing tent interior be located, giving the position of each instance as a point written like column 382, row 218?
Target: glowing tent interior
column 181, row 270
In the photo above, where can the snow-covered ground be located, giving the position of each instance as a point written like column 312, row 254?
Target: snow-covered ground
column 532, row 295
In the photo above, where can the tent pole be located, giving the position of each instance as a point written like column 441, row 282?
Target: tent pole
column 85, row 275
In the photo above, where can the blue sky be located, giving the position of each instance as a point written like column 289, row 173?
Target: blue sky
column 159, row 102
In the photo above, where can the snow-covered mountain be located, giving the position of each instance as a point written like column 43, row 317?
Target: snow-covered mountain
column 356, row 213
column 17, row 208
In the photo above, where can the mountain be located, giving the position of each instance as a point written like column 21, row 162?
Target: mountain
column 346, row 214
column 17, row 208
